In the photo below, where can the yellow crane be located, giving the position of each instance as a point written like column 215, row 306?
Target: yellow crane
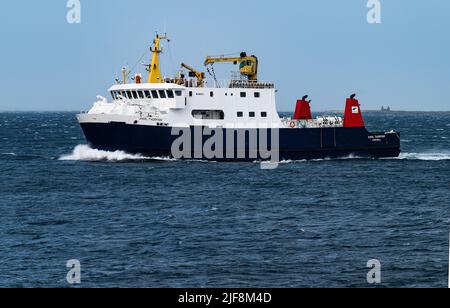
column 194, row 73
column 248, row 64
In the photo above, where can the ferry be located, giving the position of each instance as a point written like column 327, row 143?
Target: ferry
column 190, row 117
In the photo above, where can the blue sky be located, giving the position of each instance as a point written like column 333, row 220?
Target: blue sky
column 323, row 48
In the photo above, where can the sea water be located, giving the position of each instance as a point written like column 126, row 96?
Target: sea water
column 136, row 221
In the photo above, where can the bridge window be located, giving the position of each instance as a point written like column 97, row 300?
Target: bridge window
column 129, row 95
column 243, row 94
column 135, row 95
column 170, row 94
column 147, row 94
column 252, row 114
column 208, row 114
column 124, row 94
column 162, row 94
column 178, row 93
column 240, row 114
column 141, row 94
column 155, row 94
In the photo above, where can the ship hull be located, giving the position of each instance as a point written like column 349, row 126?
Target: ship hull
column 293, row 144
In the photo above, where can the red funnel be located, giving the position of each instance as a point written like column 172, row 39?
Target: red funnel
column 353, row 116
column 303, row 110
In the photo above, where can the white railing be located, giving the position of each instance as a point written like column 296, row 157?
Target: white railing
column 319, row 122
column 231, row 83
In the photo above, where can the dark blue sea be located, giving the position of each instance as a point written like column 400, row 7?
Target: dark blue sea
column 139, row 222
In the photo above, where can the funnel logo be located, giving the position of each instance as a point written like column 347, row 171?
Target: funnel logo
column 355, row 109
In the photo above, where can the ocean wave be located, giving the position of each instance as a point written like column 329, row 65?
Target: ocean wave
column 290, row 161
column 424, row 156
column 157, row 158
column 86, row 153
column 403, row 156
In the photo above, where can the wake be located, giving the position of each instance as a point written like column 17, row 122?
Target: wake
column 424, row 156
column 86, row 153
column 403, row 156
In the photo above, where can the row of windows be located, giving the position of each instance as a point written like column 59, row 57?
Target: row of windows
column 240, row 114
column 220, row 115
column 155, row 94
column 243, row 94
column 145, row 94
column 256, row 94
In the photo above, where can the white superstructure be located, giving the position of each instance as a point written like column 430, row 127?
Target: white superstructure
column 241, row 103
column 170, row 104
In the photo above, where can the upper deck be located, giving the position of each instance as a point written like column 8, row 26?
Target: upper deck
column 191, row 83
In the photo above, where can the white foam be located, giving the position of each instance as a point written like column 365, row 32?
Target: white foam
column 160, row 158
column 403, row 156
column 85, row 153
column 352, row 156
column 349, row 157
column 425, row 156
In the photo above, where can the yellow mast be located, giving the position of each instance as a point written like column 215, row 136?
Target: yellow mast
column 154, row 75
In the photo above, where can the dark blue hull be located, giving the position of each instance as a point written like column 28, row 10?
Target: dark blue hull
column 294, row 144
